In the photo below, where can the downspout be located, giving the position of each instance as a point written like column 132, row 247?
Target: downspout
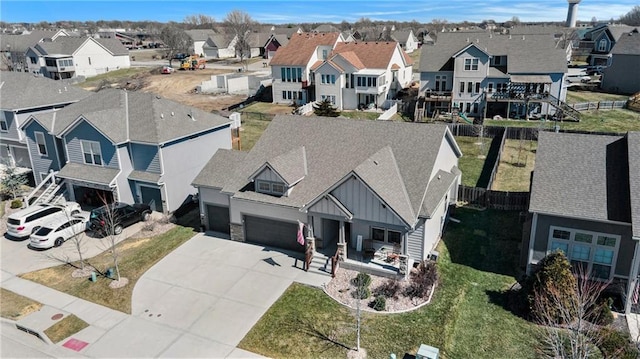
column 633, row 276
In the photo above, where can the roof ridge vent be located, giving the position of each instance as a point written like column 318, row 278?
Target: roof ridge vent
column 162, row 115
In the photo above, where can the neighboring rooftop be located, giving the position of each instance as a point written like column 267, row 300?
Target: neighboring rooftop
column 371, row 55
column 585, row 176
column 301, row 47
column 628, row 44
column 41, row 92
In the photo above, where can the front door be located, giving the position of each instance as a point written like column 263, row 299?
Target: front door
column 152, row 197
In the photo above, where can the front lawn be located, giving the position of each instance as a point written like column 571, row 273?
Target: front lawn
column 466, row 319
column 136, row 257
column 619, row 120
column 65, row 328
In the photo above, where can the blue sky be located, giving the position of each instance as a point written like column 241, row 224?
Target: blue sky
column 280, row 12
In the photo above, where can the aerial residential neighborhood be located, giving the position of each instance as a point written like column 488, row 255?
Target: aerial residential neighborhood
column 337, row 180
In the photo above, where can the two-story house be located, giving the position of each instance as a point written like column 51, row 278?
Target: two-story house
column 125, row 146
column 199, row 38
column 291, row 66
column 361, row 74
column 600, row 40
column 67, row 57
column 485, row 74
column 14, row 47
column 407, row 40
column 623, row 75
column 346, row 181
column 23, row 95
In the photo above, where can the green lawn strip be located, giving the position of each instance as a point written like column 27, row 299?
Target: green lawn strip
column 251, row 131
column 618, row 120
column 267, row 108
column 465, row 319
column 516, row 164
column 590, row 96
column 15, row 306
column 360, row 115
column 136, row 257
column 65, row 328
column 470, row 164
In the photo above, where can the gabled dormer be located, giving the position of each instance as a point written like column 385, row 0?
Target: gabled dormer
column 279, row 175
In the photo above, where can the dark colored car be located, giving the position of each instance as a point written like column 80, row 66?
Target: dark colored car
column 180, row 56
column 114, row 217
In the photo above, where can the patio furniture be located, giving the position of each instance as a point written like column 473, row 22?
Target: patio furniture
column 368, row 249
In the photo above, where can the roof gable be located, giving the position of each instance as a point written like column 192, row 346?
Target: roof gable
column 301, row 48
column 291, row 166
column 371, row 55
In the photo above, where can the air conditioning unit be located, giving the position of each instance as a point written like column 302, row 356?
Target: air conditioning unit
column 427, row 352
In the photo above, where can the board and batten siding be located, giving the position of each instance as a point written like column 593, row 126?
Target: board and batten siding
column 268, row 175
column 326, row 207
column 364, row 205
column 85, row 132
column 41, row 163
column 145, row 157
column 126, row 193
column 415, row 242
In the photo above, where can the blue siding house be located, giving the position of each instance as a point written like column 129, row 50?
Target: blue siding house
column 128, row 147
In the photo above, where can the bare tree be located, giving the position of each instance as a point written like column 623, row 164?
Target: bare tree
column 239, row 23
column 175, row 40
column 111, row 229
column 200, row 21
column 631, row 18
column 570, row 322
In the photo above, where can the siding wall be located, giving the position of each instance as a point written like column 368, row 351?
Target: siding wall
column 415, row 241
column 145, row 157
column 625, row 250
column 268, row 175
column 92, row 59
column 358, row 199
column 433, row 227
column 12, row 126
column 241, row 207
column 618, row 77
column 126, row 192
column 446, row 159
column 84, row 131
column 41, row 163
column 179, row 173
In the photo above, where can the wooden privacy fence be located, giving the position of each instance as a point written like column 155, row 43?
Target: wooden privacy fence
column 602, row 105
column 507, row 201
column 494, row 170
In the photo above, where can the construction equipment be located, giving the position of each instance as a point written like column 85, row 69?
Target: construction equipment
column 193, row 62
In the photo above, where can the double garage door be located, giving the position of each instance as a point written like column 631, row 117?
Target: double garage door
column 272, row 233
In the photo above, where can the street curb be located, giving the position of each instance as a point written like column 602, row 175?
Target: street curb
column 36, row 333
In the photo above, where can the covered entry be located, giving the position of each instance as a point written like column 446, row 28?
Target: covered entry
column 271, row 232
column 218, row 218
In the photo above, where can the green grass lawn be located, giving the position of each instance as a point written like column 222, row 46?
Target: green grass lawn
column 591, row 96
column 466, row 319
column 136, row 257
column 516, row 163
column 15, row 306
column 473, row 158
column 65, row 328
column 619, row 120
column 268, row 108
column 360, row 115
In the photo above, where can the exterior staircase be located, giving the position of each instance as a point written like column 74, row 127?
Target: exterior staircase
column 48, row 191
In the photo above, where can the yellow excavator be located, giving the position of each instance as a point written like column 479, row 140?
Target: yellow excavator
column 193, row 62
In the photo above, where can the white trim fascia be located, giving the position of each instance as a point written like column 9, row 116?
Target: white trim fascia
column 582, row 218
column 532, row 239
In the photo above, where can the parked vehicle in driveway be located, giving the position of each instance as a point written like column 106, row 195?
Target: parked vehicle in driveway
column 57, row 230
column 114, row 217
column 22, row 223
column 167, row 70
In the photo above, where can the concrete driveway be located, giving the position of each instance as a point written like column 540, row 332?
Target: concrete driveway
column 202, row 299
column 17, row 258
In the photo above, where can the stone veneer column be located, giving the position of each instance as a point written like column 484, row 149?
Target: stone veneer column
column 237, row 232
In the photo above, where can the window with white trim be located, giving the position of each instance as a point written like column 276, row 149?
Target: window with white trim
column 594, row 252
column 41, row 143
column 471, row 64
column 91, row 152
column 490, row 87
column 602, row 45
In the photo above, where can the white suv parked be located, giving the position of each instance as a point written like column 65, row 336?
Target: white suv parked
column 22, row 223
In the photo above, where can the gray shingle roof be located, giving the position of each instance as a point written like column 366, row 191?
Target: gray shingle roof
column 144, row 176
column 401, row 36
column 633, row 139
column 21, row 43
column 534, row 54
column 66, row 45
column 437, row 188
column 151, row 119
column 200, row 35
column 581, row 176
column 41, row 91
column 336, row 147
column 628, row 44
column 291, row 166
column 88, row 173
column 218, row 172
column 219, row 41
